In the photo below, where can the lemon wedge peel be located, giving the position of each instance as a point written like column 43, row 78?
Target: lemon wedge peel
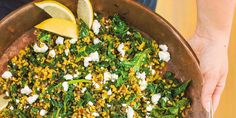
column 85, row 12
column 56, row 10
column 59, row 26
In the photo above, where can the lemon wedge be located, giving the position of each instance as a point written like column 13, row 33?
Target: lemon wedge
column 3, row 102
column 56, row 10
column 59, row 26
column 85, row 12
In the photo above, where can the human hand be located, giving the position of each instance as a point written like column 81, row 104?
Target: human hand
column 213, row 57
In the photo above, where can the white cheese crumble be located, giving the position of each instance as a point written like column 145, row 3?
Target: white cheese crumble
column 17, row 101
column 7, row 75
column 52, row 53
column 65, row 86
column 92, row 57
column 32, row 99
column 142, row 82
column 83, row 90
column 96, row 41
column 11, row 108
column 130, row 112
column 121, row 50
column 26, row 90
column 114, row 77
column 96, row 27
column 68, row 77
column 149, row 108
column 165, row 99
column 7, row 93
column 73, row 41
column 163, row 47
column 108, row 105
column 95, row 114
column 141, row 75
column 155, row 98
column 96, row 85
column 60, row 40
column 108, row 76
column 165, row 56
column 128, row 33
column 90, row 103
column 88, row 77
column 124, row 105
column 42, row 48
column 67, row 52
column 43, row 112
column 152, row 70
column 109, row 92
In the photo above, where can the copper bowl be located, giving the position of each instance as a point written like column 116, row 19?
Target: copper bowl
column 183, row 63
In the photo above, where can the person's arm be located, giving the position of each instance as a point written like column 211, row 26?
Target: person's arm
column 210, row 42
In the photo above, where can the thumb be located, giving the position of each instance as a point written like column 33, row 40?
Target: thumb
column 208, row 89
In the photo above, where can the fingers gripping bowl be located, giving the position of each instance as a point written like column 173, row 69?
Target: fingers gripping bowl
column 183, row 63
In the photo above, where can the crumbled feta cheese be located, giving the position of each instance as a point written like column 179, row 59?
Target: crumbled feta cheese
column 149, row 108
column 90, row 103
column 141, row 75
column 124, row 105
column 86, row 61
column 128, row 33
column 42, row 48
column 52, row 53
column 65, row 86
column 32, row 99
column 148, row 102
column 43, row 112
column 96, row 85
column 108, row 105
column 67, row 52
column 83, row 89
column 96, row 27
column 130, row 112
column 92, row 57
column 143, row 84
column 155, row 98
column 68, row 77
column 73, row 41
column 163, row 47
column 26, row 90
column 17, row 101
column 59, row 40
column 165, row 56
column 88, row 77
column 76, row 75
column 96, row 41
column 95, row 114
column 121, row 49
column 7, row 93
column 106, row 76
column 7, row 75
column 152, row 70
column 165, row 99
column 109, row 92
column 114, row 77
column 11, row 108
